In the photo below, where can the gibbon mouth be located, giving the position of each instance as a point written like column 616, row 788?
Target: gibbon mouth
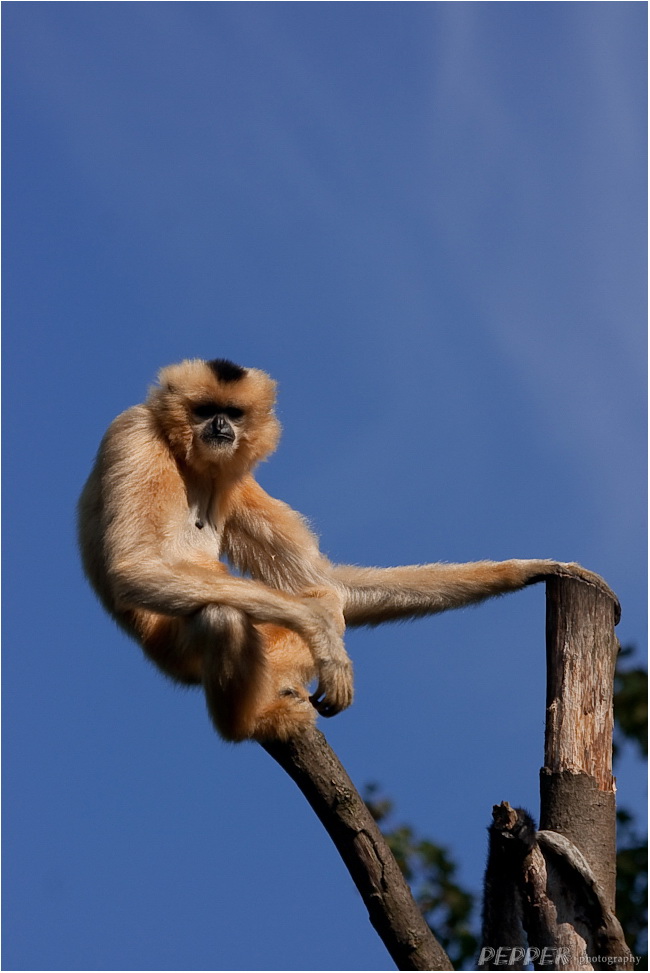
column 222, row 438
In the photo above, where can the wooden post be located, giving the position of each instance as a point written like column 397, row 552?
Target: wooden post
column 315, row 768
column 571, row 884
column 577, row 787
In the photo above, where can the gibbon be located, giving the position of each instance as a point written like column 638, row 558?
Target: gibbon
column 172, row 492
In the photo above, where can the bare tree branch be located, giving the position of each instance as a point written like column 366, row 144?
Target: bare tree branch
column 315, row 768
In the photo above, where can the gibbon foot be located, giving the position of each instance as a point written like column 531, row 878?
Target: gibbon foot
column 290, row 714
column 335, row 690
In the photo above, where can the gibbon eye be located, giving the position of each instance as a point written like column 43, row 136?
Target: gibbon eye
column 233, row 412
column 205, row 410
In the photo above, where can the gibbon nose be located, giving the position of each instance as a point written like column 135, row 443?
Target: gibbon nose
column 222, row 428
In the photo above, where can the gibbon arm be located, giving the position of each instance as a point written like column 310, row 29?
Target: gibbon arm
column 269, row 540
column 375, row 595
column 184, row 586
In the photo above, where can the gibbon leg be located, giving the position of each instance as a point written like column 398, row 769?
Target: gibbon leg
column 291, row 668
column 253, row 676
column 162, row 639
column 235, row 675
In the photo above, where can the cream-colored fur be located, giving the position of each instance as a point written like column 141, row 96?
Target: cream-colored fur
column 172, row 491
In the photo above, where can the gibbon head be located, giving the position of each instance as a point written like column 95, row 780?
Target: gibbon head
column 215, row 414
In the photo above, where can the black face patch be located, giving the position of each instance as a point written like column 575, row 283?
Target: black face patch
column 226, row 371
column 208, row 410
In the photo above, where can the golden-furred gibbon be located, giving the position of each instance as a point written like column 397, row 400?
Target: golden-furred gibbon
column 172, row 492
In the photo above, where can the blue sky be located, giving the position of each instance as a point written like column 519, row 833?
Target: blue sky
column 427, row 221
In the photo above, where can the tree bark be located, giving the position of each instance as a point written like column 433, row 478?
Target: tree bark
column 315, row 768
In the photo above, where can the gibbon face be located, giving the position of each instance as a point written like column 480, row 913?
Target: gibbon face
column 216, row 425
column 216, row 414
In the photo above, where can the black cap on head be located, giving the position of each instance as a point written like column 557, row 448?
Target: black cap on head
column 226, row 371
